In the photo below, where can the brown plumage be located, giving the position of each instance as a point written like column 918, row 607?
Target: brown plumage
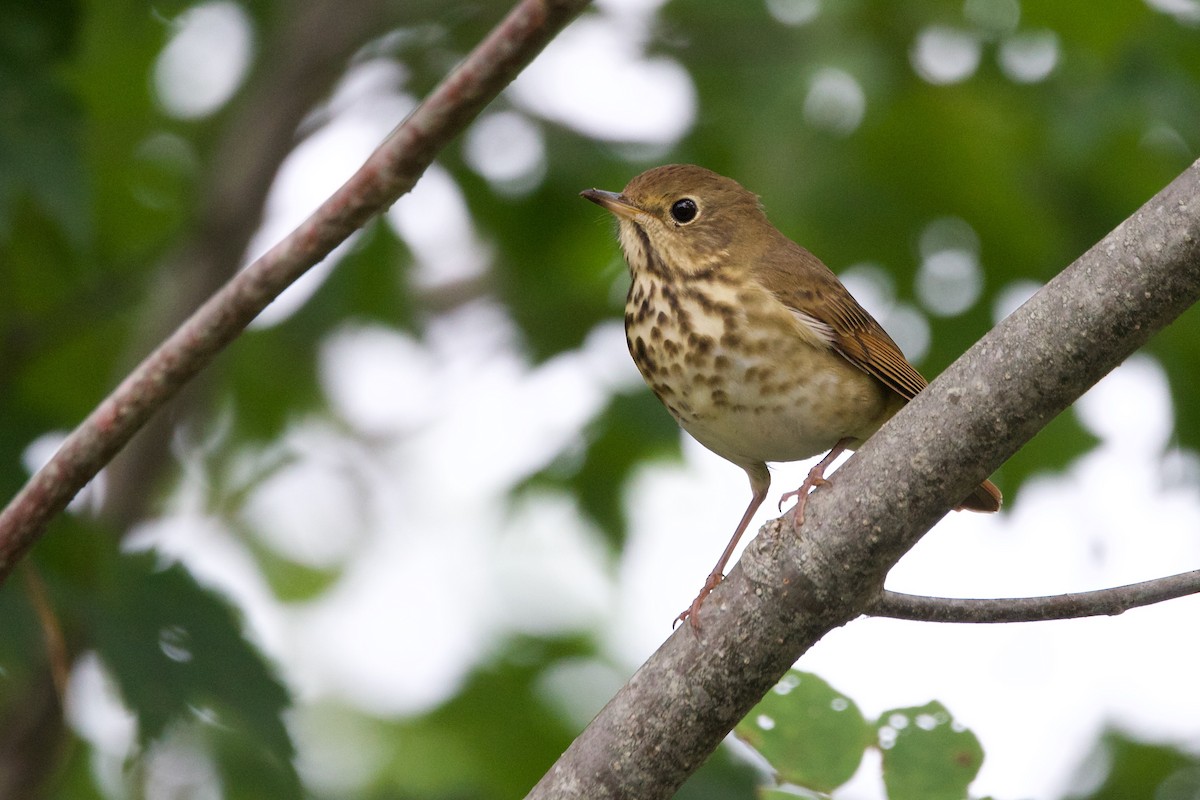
column 754, row 346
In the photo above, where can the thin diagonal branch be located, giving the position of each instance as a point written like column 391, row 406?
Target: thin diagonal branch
column 304, row 55
column 390, row 172
column 1110, row 602
column 308, row 51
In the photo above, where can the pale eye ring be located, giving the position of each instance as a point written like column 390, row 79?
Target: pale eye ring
column 684, row 211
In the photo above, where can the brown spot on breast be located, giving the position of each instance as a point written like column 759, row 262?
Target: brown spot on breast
column 757, row 347
column 786, row 385
column 642, row 356
column 655, row 333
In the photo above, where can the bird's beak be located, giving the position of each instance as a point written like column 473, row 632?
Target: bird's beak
column 612, row 201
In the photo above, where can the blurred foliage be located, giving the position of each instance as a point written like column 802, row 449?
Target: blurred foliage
column 626, row 433
column 98, row 185
column 1123, row 768
column 498, row 731
column 156, row 620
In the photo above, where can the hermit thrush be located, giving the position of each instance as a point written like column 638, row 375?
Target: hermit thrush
column 753, row 345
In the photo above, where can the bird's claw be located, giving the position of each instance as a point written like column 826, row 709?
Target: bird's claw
column 691, row 614
column 815, row 478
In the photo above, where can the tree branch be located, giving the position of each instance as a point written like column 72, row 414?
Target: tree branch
column 789, row 591
column 390, row 172
column 299, row 65
column 1075, row 605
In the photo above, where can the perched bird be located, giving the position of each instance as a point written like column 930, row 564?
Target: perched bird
column 753, row 345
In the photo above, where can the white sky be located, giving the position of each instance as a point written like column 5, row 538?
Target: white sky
column 456, row 419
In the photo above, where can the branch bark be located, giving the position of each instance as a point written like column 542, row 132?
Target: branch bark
column 1112, row 601
column 390, row 172
column 789, row 591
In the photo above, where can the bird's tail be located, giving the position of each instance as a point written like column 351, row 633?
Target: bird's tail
column 985, row 498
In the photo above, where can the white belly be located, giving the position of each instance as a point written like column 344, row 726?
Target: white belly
column 761, row 416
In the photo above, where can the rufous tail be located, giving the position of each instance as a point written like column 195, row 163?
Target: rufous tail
column 986, row 498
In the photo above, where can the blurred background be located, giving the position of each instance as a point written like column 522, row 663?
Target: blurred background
column 409, row 533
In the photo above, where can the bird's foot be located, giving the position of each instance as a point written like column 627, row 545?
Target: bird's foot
column 692, row 613
column 815, row 478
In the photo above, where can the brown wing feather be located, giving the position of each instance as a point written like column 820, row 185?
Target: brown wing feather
column 865, row 343
column 800, row 281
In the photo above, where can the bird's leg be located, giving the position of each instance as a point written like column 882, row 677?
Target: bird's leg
column 760, row 483
column 816, row 477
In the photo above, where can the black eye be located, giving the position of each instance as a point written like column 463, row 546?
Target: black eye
column 684, row 211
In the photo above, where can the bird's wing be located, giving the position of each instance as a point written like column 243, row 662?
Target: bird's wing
column 801, row 282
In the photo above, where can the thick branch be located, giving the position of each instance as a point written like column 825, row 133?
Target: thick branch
column 1111, row 602
column 390, row 172
column 789, row 591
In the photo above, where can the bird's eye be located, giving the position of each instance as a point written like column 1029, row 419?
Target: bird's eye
column 684, row 211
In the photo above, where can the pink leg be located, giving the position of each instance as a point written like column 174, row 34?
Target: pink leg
column 816, row 477
column 760, row 483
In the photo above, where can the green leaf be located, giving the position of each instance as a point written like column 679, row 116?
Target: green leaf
column 177, row 653
column 812, row 734
column 926, row 754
